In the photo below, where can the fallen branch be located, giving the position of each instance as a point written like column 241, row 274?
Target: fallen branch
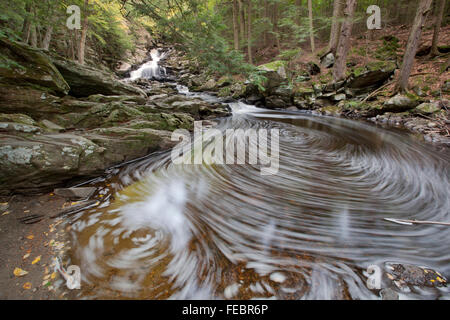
column 76, row 208
column 411, row 222
column 376, row 91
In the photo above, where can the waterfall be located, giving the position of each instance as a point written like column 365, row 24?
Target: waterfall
column 150, row 69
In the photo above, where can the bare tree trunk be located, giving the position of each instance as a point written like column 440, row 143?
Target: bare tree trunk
column 275, row 25
column 82, row 45
column 344, row 41
column 266, row 15
column 236, row 24
column 26, row 29
column 298, row 3
column 33, row 37
column 413, row 42
column 249, row 32
column 311, row 27
column 47, row 38
column 439, row 15
column 334, row 34
column 242, row 19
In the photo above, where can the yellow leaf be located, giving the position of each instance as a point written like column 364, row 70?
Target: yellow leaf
column 53, row 276
column 27, row 285
column 26, row 256
column 36, row 260
column 5, row 213
column 30, row 237
column 19, row 272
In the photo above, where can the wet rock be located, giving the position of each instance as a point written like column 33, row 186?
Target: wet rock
column 276, row 102
column 75, row 193
column 21, row 64
column 85, row 81
column 389, row 294
column 404, row 275
column 209, row 85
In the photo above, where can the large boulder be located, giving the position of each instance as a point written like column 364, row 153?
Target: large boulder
column 33, row 163
column 85, row 81
column 275, row 72
column 400, row 103
column 370, row 77
column 23, row 65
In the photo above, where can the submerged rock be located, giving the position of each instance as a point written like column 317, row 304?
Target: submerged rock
column 409, row 275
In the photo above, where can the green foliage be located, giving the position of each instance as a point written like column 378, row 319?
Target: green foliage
column 257, row 78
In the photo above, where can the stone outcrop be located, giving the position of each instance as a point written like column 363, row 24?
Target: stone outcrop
column 24, row 65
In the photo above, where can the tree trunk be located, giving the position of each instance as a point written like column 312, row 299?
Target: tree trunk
column 413, row 42
column 33, row 37
column 439, row 15
column 275, row 25
column 249, row 32
column 266, row 15
column 298, row 3
column 344, row 41
column 236, row 24
column 47, row 38
column 334, row 34
column 82, row 45
column 242, row 19
column 26, row 29
column 311, row 27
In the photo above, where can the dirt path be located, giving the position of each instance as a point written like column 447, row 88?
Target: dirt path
column 32, row 248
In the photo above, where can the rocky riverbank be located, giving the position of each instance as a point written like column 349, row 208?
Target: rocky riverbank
column 367, row 92
column 60, row 120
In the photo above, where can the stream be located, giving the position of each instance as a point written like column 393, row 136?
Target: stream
column 210, row 231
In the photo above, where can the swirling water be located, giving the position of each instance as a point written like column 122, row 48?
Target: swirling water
column 167, row 231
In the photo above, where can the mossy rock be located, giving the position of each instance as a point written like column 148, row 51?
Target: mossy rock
column 23, row 65
column 17, row 118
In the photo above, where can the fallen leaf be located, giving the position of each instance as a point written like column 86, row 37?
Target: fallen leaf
column 5, row 213
column 26, row 211
column 27, row 285
column 36, row 260
column 30, row 237
column 26, row 256
column 19, row 272
column 53, row 276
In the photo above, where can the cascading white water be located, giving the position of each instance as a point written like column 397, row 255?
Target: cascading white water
column 151, row 69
